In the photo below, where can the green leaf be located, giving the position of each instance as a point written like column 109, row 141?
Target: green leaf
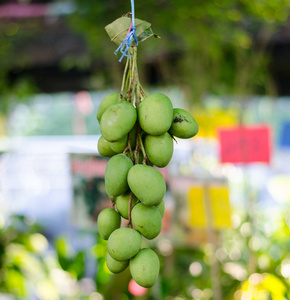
column 15, row 282
column 78, row 265
column 146, row 35
column 118, row 29
column 61, row 247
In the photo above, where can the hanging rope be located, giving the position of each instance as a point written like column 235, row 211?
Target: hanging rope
column 125, row 46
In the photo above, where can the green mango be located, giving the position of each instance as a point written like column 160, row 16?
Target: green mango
column 108, row 221
column 161, row 208
column 118, row 120
column 116, row 173
column 106, row 102
column 122, row 204
column 104, row 148
column 159, row 149
column 124, row 243
column 147, row 220
column 155, row 114
column 116, row 266
column 144, row 267
column 120, row 145
column 147, row 184
column 183, row 125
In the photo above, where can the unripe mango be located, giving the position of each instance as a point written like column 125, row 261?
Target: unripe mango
column 122, row 204
column 161, row 208
column 155, row 114
column 183, row 125
column 144, row 267
column 117, row 120
column 119, row 145
column 124, row 243
column 159, row 149
column 108, row 221
column 116, row 266
column 116, row 175
column 104, row 148
column 147, row 184
column 147, row 220
column 106, row 102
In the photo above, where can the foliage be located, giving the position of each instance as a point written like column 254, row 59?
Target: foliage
column 13, row 37
column 21, row 250
column 70, row 262
column 206, row 46
column 254, row 262
column 30, row 269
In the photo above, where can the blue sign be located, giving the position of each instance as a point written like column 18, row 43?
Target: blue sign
column 285, row 135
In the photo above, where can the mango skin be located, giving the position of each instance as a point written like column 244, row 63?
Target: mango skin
column 104, row 148
column 120, row 145
column 116, row 266
column 124, row 243
column 122, row 204
column 147, row 220
column 144, row 267
column 161, row 208
column 155, row 114
column 183, row 125
column 116, row 173
column 106, row 102
column 118, row 120
column 159, row 149
column 147, row 184
column 108, row 221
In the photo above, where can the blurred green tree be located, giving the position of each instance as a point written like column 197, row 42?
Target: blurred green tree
column 207, row 46
column 13, row 35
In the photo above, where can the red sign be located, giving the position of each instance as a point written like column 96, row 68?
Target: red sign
column 88, row 167
column 245, row 144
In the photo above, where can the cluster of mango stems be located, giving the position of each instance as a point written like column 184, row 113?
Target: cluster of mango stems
column 137, row 139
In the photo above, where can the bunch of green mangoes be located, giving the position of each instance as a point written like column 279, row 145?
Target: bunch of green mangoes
column 136, row 139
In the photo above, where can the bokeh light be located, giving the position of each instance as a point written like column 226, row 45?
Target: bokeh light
column 135, row 289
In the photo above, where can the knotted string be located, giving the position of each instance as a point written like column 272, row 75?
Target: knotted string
column 131, row 34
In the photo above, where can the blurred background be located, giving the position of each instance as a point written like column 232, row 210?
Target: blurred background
column 226, row 229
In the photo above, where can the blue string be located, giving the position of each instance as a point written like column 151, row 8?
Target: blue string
column 125, row 45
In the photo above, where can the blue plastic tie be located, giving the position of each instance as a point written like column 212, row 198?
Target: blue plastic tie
column 125, row 45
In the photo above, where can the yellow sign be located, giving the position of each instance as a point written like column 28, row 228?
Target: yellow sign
column 210, row 119
column 220, row 203
column 196, row 207
column 217, row 198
